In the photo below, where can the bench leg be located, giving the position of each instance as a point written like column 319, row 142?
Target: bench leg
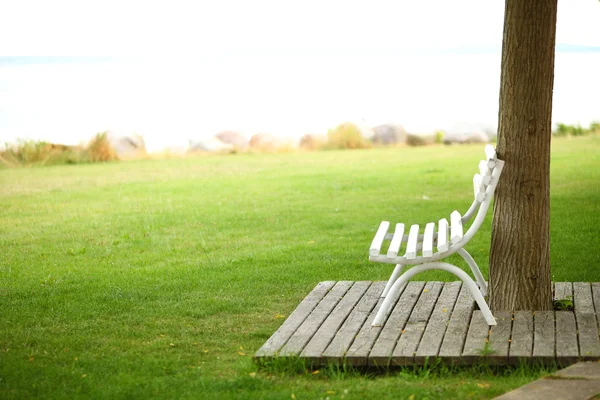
column 392, row 279
column 471, row 285
column 475, row 269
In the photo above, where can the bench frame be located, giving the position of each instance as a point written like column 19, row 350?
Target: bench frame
column 484, row 185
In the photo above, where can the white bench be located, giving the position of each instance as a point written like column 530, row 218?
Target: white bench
column 424, row 251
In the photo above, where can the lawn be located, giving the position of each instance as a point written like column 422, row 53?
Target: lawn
column 161, row 278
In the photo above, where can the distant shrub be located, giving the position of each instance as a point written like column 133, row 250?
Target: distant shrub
column 263, row 142
column 346, row 136
column 24, row 152
column 268, row 143
column 34, row 152
column 312, row 142
column 61, row 154
column 100, row 149
column 576, row 130
column 419, row 140
column 439, row 137
column 561, row 130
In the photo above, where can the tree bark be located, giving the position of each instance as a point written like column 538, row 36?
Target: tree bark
column 520, row 276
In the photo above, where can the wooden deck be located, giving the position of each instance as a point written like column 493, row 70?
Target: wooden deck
column 434, row 320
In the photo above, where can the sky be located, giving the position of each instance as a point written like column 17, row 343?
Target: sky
column 175, row 71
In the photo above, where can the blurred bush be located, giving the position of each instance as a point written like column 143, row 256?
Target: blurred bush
column 576, row 130
column 346, row 136
column 419, row 140
column 35, row 152
column 312, row 142
column 439, row 137
column 99, row 149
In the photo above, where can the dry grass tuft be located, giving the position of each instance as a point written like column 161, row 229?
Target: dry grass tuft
column 346, row 136
column 99, row 149
column 32, row 152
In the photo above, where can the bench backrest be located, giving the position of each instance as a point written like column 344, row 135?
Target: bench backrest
column 484, row 185
column 485, row 181
column 450, row 237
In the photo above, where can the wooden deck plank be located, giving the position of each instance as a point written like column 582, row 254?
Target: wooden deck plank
column 296, row 318
column 587, row 329
column 348, row 331
column 563, row 290
column 436, row 327
column 477, row 338
column 357, row 354
column 456, row 333
column 521, row 341
column 567, row 350
column 544, row 343
column 386, row 341
column 585, row 316
column 319, row 342
column 499, row 341
column 410, row 336
column 596, row 300
column 333, row 324
column 582, row 298
column 312, row 323
column 596, row 296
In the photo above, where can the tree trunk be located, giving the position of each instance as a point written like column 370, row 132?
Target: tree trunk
column 520, row 276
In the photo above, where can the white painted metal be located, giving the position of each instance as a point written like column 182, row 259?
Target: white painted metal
column 442, row 236
column 395, row 275
column 411, row 246
column 378, row 240
column 396, row 241
column 485, row 172
column 478, row 188
column 490, row 152
column 456, row 227
column 405, row 277
column 482, row 209
column 471, row 211
column 475, row 269
column 428, row 240
column 490, row 155
column 491, row 168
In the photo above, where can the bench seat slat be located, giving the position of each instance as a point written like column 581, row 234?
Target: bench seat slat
column 378, row 239
column 442, row 236
column 428, row 240
column 396, row 241
column 411, row 246
column 456, row 227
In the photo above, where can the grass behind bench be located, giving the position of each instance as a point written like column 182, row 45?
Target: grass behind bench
column 162, row 278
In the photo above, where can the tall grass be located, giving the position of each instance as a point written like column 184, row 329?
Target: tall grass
column 99, row 149
column 38, row 153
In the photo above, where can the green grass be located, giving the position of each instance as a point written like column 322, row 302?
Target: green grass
column 161, row 278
